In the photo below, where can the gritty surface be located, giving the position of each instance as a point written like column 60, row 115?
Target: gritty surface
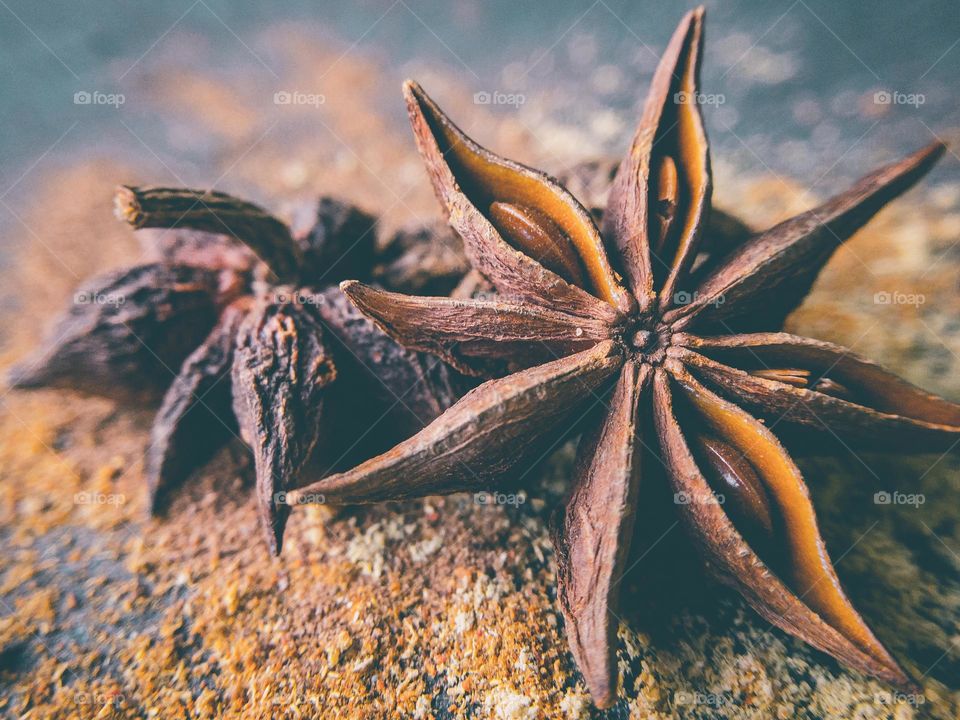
column 444, row 607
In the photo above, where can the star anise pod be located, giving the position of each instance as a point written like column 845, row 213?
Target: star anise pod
column 206, row 325
column 652, row 317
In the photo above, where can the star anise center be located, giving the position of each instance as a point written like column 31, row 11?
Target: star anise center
column 647, row 340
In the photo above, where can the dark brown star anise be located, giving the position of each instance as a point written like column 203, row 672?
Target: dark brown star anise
column 239, row 313
column 653, row 317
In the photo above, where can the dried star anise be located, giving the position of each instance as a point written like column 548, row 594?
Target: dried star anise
column 651, row 315
column 294, row 368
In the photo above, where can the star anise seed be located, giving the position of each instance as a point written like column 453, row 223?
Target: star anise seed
column 670, row 344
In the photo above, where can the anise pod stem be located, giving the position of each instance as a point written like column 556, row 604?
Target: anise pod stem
column 215, row 212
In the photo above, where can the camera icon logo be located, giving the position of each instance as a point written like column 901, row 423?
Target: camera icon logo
column 282, row 97
column 882, row 498
column 82, row 97
column 882, row 97
column 482, row 98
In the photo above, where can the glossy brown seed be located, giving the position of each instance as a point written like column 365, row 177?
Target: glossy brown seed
column 791, row 376
column 736, row 481
column 539, row 237
column 801, row 378
column 590, row 182
column 667, row 195
column 808, row 601
column 670, row 125
column 467, row 177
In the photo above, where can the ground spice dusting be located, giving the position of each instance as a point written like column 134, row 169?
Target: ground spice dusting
column 442, row 608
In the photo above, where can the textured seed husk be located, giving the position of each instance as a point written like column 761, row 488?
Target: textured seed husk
column 338, row 241
column 592, row 534
column 882, row 412
column 196, row 416
column 477, row 336
column 422, row 259
column 281, row 368
column 467, row 177
column 791, row 376
column 667, row 124
column 474, row 286
column 127, row 333
column 782, row 263
column 811, row 604
column 214, row 212
column 474, row 443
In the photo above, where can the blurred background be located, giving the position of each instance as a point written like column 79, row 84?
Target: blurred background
column 814, row 89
